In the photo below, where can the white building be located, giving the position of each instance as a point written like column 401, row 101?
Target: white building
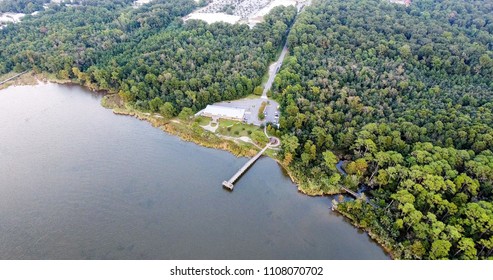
column 223, row 112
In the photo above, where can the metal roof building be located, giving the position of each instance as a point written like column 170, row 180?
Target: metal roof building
column 223, row 112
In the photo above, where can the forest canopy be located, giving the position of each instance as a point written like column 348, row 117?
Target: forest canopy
column 22, row 6
column 405, row 94
column 148, row 53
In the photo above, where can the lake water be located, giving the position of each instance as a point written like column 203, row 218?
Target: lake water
column 78, row 182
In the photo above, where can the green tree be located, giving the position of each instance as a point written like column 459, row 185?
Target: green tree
column 330, row 160
column 167, row 110
column 467, row 247
column 259, row 137
column 440, row 249
column 185, row 114
column 289, row 143
column 155, row 104
column 258, row 90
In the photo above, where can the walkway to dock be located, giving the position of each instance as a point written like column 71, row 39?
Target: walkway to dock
column 354, row 194
column 350, row 192
column 359, row 196
column 229, row 184
column 11, row 78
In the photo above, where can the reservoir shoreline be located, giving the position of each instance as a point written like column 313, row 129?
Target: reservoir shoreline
column 184, row 132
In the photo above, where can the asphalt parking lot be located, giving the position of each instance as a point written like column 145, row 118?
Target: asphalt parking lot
column 252, row 106
column 272, row 112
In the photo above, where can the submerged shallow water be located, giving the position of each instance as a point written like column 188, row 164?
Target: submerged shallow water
column 78, row 182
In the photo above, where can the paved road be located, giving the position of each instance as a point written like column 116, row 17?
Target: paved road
column 273, row 69
column 252, row 106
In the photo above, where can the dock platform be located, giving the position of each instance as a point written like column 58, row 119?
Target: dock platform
column 230, row 183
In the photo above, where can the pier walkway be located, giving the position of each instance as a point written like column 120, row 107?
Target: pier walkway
column 359, row 196
column 11, row 78
column 229, row 184
column 354, row 194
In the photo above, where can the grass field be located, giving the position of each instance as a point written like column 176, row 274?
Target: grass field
column 235, row 129
column 202, row 120
column 227, row 123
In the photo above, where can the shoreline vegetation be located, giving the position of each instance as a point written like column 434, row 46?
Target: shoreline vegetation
column 367, row 80
column 187, row 130
column 385, row 243
column 404, row 93
column 27, row 79
column 191, row 131
column 154, row 74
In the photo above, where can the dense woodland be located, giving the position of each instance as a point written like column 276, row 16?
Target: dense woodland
column 405, row 93
column 22, row 6
column 147, row 55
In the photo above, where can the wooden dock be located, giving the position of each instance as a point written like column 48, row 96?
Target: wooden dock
column 11, row 78
column 350, row 192
column 230, row 183
column 358, row 196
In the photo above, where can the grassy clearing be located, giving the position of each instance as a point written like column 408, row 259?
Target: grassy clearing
column 238, row 129
column 30, row 79
column 186, row 130
column 271, row 153
column 190, row 131
column 201, row 120
column 112, row 101
column 227, row 123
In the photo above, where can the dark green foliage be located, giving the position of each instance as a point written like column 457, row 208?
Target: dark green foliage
column 147, row 53
column 407, row 92
column 22, row 6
